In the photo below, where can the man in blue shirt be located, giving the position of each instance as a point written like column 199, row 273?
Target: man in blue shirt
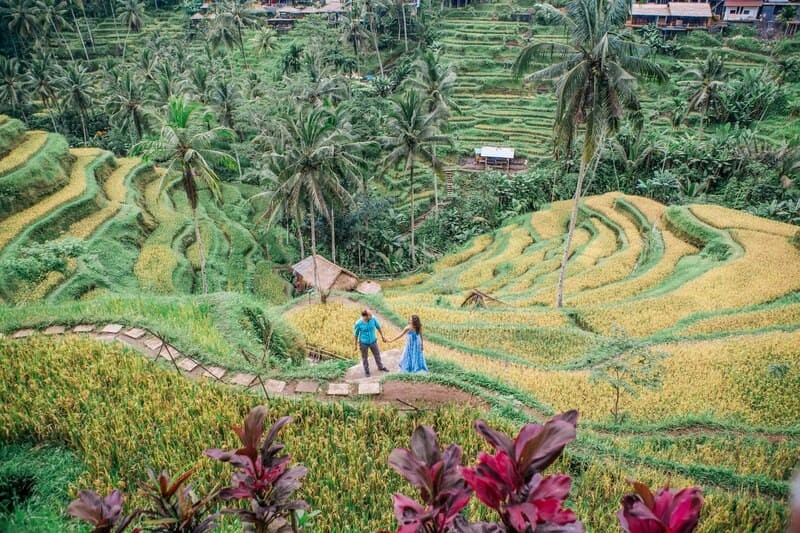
column 367, row 340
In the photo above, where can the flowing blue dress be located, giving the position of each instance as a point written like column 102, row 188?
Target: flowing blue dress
column 413, row 359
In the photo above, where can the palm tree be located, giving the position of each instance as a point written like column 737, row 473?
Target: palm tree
column 131, row 14
column 313, row 155
column 52, row 14
column 127, row 106
column 225, row 95
column 400, row 8
column 437, row 82
column 78, row 91
column 703, row 84
column 369, row 13
column 42, row 75
column 23, row 20
column 199, row 78
column 413, row 130
column 187, row 145
column 235, row 16
column 594, row 83
column 291, row 58
column 265, row 41
column 222, row 35
column 15, row 85
column 71, row 7
column 354, row 33
column 82, row 7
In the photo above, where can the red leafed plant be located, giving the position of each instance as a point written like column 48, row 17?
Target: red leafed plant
column 105, row 514
column 175, row 506
column 510, row 481
column 262, row 475
column 667, row 511
column 436, row 474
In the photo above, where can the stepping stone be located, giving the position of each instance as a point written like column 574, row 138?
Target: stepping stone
column 274, row 386
column 83, row 328
column 112, row 328
column 171, row 350
column 153, row 344
column 306, row 387
column 187, row 363
column 135, row 333
column 55, row 330
column 21, row 334
column 243, row 380
column 369, row 389
column 213, row 372
column 339, row 389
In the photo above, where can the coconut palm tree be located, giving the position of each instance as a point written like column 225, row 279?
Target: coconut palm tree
column 71, row 6
column 353, row 32
column 703, row 85
column 131, row 15
column 42, row 74
column 265, row 41
column 437, row 82
column 313, row 156
column 78, row 91
column 370, row 14
column 199, row 78
column 52, row 14
column 23, row 21
column 413, row 130
column 235, row 16
column 127, row 106
column 15, row 85
column 595, row 83
column 189, row 147
column 225, row 96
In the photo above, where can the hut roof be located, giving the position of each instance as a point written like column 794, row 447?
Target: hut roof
column 327, row 271
column 650, row 10
column 690, row 9
column 499, row 152
column 368, row 287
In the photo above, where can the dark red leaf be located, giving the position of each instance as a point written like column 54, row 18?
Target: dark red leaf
column 497, row 439
column 424, row 446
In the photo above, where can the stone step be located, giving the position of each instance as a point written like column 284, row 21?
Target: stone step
column 338, row 389
column 369, row 388
column 135, row 333
column 153, row 344
column 187, row 363
column 274, row 386
column 214, row 372
column 55, row 330
column 83, row 328
column 243, row 380
column 112, row 328
column 21, row 334
column 306, row 387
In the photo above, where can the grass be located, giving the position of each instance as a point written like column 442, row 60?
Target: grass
column 19, row 156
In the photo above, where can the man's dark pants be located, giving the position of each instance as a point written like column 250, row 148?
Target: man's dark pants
column 375, row 352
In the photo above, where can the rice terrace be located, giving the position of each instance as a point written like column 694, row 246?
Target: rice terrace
column 395, row 265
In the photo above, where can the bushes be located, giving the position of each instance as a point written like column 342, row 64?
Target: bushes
column 12, row 132
column 269, row 285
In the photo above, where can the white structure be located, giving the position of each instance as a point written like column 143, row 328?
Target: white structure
column 742, row 10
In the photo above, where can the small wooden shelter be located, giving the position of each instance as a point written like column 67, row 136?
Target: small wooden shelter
column 329, row 275
column 494, row 156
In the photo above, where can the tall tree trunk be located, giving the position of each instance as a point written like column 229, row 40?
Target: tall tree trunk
column 375, row 40
column 333, row 236
column 116, row 23
column 125, row 43
column 435, row 185
column 200, row 251
column 570, row 232
column 80, row 34
column 405, row 29
column 413, row 253
column 322, row 294
column 300, row 240
column 241, row 46
column 88, row 27
column 81, row 112
column 63, row 41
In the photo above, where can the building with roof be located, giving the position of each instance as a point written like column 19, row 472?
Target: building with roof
column 494, row 156
column 672, row 16
column 742, row 10
column 329, row 275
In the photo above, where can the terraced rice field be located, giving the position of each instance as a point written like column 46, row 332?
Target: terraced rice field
column 136, row 236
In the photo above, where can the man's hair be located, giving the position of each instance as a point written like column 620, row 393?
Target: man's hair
column 365, row 312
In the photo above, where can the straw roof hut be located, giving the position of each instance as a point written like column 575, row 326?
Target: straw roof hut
column 330, row 275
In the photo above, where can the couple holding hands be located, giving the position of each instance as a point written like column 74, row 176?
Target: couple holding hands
column 365, row 334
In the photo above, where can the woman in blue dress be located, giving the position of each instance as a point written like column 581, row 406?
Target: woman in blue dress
column 413, row 359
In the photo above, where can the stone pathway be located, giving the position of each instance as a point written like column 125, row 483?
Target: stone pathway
column 154, row 347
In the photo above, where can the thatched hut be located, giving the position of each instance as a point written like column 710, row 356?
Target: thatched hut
column 329, row 275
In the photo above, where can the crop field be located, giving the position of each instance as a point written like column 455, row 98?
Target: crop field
column 712, row 294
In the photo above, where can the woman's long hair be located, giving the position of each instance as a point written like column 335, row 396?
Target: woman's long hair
column 416, row 324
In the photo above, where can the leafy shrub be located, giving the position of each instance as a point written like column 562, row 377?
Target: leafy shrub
column 747, row 44
column 269, row 285
column 33, row 262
